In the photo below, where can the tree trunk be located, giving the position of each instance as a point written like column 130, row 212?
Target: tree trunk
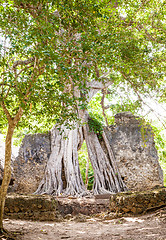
column 106, row 175
column 7, row 172
column 64, row 154
column 12, row 122
column 63, row 161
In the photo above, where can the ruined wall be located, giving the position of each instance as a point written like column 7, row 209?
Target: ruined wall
column 138, row 202
column 106, row 207
column 30, row 164
column 134, row 149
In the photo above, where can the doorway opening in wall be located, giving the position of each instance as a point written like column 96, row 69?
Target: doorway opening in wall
column 85, row 167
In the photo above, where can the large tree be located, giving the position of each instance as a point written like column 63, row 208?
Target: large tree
column 125, row 45
column 61, row 53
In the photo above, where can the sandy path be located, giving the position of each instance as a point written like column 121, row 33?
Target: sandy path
column 151, row 226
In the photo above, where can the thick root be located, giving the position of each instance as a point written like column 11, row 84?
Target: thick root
column 6, row 235
column 63, row 163
column 107, row 178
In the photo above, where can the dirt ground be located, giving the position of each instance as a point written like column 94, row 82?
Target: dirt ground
column 151, row 226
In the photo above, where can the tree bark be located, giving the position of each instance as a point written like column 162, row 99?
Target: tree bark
column 64, row 154
column 12, row 122
column 106, row 175
column 7, row 172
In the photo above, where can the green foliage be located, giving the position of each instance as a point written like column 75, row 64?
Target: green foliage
column 119, row 99
column 69, row 40
column 163, row 165
column 126, row 106
column 126, row 39
column 96, row 124
column 39, row 87
column 83, row 159
column 145, row 129
column 160, row 143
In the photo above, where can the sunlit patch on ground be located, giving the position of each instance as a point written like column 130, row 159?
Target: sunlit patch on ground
column 130, row 219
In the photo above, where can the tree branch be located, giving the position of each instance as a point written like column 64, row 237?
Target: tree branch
column 102, row 104
column 18, row 116
column 139, row 27
column 17, row 74
column 96, row 85
column 140, row 98
column 23, row 62
column 9, row 118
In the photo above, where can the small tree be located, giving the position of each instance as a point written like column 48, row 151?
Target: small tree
column 29, row 85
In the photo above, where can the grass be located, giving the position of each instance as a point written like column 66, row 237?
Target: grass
column 83, row 158
column 163, row 166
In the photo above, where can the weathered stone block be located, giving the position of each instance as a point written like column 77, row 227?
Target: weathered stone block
column 30, row 164
column 135, row 153
column 141, row 201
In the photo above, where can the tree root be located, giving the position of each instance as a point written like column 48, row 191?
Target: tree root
column 63, row 162
column 7, row 235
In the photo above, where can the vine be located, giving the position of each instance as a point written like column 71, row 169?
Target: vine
column 96, row 125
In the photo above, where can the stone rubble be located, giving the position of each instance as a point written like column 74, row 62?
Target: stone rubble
column 110, row 206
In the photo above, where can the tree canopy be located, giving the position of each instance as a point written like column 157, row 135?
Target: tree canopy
column 66, row 44
column 55, row 55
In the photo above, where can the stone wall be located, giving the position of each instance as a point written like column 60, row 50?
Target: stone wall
column 134, row 149
column 138, row 202
column 31, row 207
column 50, row 208
column 31, row 161
column 109, row 206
